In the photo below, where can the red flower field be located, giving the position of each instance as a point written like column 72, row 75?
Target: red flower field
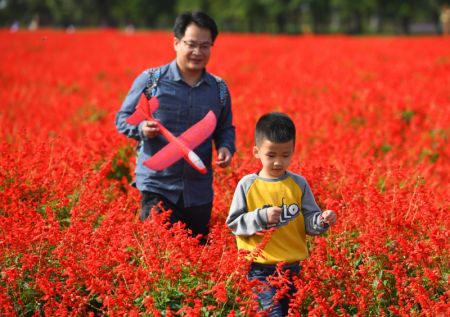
column 373, row 121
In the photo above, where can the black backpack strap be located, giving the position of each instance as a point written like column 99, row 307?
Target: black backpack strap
column 223, row 90
column 149, row 91
column 153, row 77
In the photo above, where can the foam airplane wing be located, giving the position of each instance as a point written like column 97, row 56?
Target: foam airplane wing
column 177, row 147
column 183, row 145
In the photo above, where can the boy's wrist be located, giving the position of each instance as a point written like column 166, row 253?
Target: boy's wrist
column 263, row 217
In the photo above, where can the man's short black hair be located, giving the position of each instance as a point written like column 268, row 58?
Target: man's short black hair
column 276, row 127
column 201, row 19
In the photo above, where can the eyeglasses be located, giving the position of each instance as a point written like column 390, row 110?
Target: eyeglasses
column 206, row 46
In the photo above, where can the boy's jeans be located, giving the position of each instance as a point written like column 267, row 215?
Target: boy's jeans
column 260, row 272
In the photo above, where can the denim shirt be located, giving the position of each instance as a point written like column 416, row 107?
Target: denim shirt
column 180, row 107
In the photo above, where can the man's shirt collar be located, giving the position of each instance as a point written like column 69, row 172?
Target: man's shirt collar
column 175, row 75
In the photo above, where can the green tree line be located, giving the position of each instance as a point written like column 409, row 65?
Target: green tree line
column 273, row 16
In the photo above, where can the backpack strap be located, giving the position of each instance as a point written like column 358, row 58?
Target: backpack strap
column 153, row 77
column 149, row 91
column 223, row 90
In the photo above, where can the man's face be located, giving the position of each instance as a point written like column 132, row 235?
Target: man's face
column 194, row 49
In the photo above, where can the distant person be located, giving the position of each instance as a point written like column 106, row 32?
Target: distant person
column 70, row 29
column 34, row 24
column 275, row 198
column 186, row 92
column 445, row 19
column 130, row 29
column 14, row 26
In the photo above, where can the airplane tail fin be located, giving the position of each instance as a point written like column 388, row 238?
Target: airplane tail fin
column 144, row 110
column 153, row 104
column 136, row 118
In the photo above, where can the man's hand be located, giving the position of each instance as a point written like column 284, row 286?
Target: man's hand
column 223, row 157
column 150, row 129
column 273, row 215
column 329, row 217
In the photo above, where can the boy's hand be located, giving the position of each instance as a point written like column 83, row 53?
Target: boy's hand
column 329, row 217
column 273, row 215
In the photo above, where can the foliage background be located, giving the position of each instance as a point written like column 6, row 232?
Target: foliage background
column 275, row 16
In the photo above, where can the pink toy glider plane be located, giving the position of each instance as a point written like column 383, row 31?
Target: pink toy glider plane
column 177, row 147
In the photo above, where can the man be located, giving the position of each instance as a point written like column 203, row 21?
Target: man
column 186, row 92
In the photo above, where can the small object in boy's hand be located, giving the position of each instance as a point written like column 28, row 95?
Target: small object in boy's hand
column 328, row 217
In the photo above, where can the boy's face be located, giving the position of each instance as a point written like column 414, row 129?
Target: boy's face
column 275, row 157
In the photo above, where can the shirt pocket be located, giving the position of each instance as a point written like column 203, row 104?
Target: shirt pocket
column 170, row 116
column 202, row 111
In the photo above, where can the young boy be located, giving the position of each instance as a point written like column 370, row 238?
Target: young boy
column 275, row 198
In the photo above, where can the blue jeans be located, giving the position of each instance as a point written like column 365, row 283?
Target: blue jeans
column 266, row 294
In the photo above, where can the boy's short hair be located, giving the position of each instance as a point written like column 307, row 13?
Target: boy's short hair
column 199, row 18
column 276, row 127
